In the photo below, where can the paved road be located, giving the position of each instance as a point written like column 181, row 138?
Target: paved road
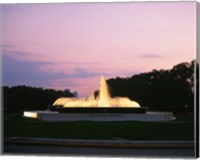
column 88, row 151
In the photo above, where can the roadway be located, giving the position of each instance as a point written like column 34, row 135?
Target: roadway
column 26, row 149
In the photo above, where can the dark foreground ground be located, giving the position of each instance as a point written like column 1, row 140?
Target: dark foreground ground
column 181, row 129
column 14, row 149
column 114, row 148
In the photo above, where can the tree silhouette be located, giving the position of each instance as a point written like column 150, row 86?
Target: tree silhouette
column 159, row 89
column 20, row 98
column 169, row 90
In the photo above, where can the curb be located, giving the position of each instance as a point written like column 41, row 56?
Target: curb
column 98, row 143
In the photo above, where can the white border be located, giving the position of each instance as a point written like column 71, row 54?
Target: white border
column 78, row 1
column 34, row 157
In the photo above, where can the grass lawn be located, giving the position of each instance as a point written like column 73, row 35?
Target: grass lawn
column 181, row 129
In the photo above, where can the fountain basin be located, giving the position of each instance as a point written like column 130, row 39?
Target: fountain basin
column 117, row 116
column 99, row 110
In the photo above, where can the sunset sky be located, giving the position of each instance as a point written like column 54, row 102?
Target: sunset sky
column 70, row 45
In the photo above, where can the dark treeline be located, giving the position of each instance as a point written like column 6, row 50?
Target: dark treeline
column 20, row 98
column 169, row 90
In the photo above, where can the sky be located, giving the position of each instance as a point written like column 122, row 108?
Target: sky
column 70, row 45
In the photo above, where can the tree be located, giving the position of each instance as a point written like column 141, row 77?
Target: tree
column 159, row 89
column 20, row 98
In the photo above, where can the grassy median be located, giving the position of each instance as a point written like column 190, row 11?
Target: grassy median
column 181, row 129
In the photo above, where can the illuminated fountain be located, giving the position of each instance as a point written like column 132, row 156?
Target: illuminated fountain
column 103, row 100
column 98, row 108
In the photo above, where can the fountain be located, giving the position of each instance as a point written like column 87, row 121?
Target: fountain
column 98, row 108
column 103, row 100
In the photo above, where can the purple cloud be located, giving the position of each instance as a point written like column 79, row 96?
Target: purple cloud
column 18, row 72
column 151, row 56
